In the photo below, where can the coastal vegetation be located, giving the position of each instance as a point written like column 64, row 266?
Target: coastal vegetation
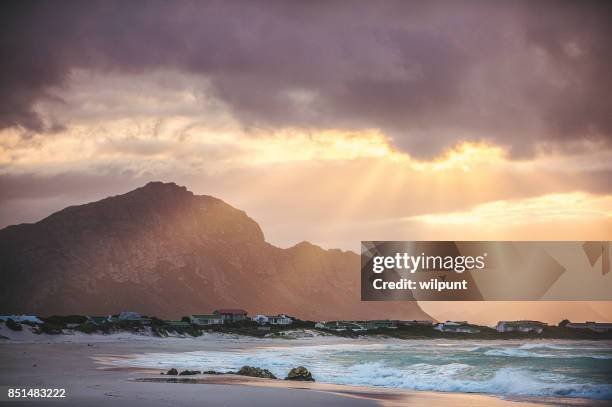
column 57, row 324
column 12, row 325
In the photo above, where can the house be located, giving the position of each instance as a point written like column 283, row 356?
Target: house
column 231, row 315
column 457, row 327
column 450, row 323
column 205, row 320
column 260, row 319
column 131, row 316
column 377, row 324
column 280, row 319
column 593, row 326
column 424, row 322
column 521, row 326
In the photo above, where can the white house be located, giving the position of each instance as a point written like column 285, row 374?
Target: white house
column 456, row 326
column 205, row 320
column 424, row 322
column 129, row 316
column 280, row 319
column 521, row 326
column 260, row 319
column 133, row 317
column 593, row 326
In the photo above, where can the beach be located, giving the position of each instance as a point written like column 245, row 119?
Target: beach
column 100, row 370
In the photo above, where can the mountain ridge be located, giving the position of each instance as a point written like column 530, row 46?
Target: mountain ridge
column 162, row 250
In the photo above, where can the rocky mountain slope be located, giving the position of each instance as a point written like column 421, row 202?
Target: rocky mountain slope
column 161, row 250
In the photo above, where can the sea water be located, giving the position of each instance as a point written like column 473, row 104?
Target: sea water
column 527, row 368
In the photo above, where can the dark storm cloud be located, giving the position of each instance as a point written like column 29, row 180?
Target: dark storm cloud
column 429, row 73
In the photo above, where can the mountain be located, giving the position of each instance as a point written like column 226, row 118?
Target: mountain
column 161, row 250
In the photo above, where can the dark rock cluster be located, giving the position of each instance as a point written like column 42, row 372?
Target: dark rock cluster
column 301, row 374
column 255, row 372
column 189, row 372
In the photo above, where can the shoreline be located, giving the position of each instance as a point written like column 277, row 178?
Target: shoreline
column 84, row 371
column 384, row 396
column 89, row 367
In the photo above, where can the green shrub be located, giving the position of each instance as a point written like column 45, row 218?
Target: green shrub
column 12, row 325
column 50, row 328
column 63, row 320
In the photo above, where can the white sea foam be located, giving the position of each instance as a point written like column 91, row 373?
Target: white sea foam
column 520, row 352
column 574, row 345
column 417, row 366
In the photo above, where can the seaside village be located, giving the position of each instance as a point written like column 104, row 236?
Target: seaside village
column 238, row 321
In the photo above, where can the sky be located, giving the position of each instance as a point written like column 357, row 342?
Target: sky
column 462, row 120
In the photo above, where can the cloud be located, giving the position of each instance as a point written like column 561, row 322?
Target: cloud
column 428, row 74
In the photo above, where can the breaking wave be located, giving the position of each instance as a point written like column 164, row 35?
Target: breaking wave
column 518, row 369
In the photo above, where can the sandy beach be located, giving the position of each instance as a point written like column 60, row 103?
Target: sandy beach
column 84, row 366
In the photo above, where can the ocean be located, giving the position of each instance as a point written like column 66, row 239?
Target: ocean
column 547, row 368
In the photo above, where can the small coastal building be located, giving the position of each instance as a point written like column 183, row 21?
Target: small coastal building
column 593, row 326
column 129, row 316
column 132, row 316
column 424, row 322
column 450, row 323
column 231, row 315
column 521, row 326
column 457, row 327
column 377, row 324
column 280, row 319
column 260, row 319
column 205, row 319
